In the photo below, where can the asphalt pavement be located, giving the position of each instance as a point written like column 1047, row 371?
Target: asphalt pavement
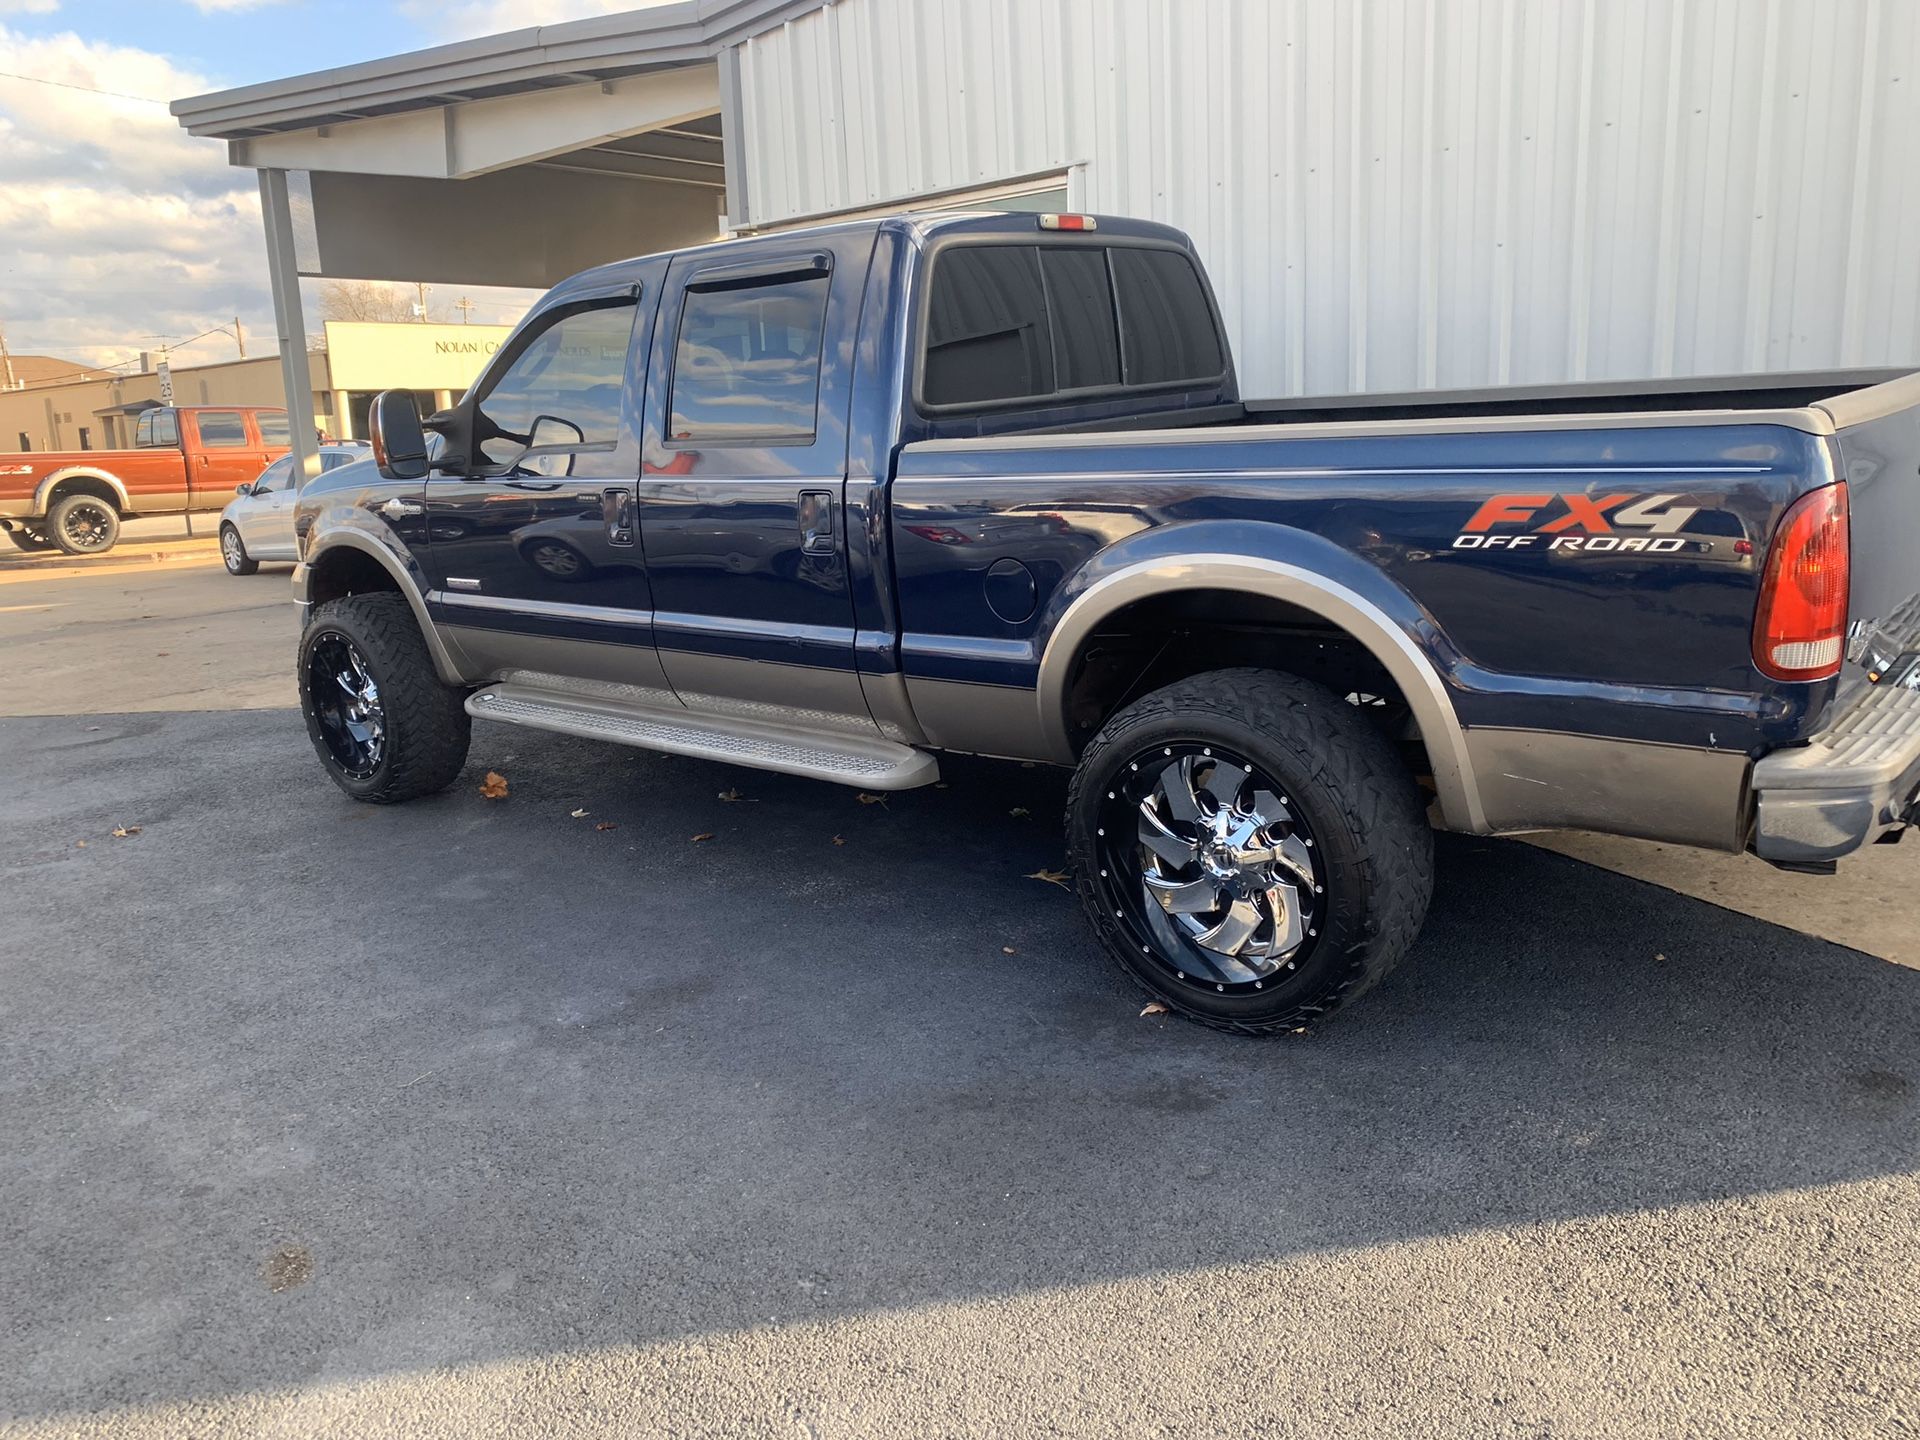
column 487, row 1118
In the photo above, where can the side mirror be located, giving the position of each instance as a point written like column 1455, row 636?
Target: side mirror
column 246, row 489
column 399, row 441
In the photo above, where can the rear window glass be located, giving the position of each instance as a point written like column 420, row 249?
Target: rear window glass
column 273, row 427
column 987, row 331
column 1086, row 348
column 222, row 429
column 1038, row 323
column 1165, row 321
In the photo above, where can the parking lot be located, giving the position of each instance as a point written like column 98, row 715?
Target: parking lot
column 736, row 1106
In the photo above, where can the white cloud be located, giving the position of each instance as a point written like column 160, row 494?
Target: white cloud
column 28, row 7
column 464, row 19
column 214, row 7
column 119, row 226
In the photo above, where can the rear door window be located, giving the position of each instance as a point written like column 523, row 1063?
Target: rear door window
column 273, row 428
column 746, row 367
column 222, row 429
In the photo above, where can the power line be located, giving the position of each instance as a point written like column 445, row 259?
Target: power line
column 86, row 89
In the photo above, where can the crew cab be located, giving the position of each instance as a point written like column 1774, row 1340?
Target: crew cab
column 832, row 502
column 185, row 458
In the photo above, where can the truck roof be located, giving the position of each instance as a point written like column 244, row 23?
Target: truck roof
column 922, row 225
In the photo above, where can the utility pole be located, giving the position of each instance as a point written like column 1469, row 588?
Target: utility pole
column 422, row 306
column 239, row 337
column 6, row 360
column 465, row 307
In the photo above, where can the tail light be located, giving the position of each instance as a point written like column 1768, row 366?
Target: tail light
column 1800, row 631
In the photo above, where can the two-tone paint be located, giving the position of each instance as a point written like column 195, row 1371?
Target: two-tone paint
column 974, row 556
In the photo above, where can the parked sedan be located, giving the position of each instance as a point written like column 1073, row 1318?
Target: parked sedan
column 258, row 522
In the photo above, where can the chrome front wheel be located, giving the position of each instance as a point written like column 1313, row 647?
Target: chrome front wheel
column 346, row 705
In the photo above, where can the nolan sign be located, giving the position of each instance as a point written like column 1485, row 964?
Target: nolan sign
column 364, row 356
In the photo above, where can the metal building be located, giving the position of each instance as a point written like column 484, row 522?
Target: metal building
column 1390, row 195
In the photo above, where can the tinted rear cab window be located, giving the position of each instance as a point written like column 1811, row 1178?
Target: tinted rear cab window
column 1012, row 323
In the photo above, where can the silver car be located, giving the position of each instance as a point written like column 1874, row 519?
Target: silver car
column 258, row 522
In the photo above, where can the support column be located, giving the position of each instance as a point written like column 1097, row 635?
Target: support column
column 296, row 374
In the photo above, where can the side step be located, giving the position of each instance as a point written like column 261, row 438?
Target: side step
column 871, row 764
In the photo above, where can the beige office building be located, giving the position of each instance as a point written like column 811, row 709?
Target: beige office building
column 436, row 362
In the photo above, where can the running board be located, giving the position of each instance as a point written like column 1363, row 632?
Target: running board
column 870, row 764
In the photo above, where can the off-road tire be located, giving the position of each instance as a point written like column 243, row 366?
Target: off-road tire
column 233, row 553
column 29, row 542
column 63, row 508
column 427, row 727
column 1355, row 795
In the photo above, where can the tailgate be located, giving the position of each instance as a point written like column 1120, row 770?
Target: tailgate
column 1878, row 453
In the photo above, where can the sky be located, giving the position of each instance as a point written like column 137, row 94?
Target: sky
column 118, row 230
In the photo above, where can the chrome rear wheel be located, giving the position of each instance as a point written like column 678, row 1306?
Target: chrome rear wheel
column 1216, row 867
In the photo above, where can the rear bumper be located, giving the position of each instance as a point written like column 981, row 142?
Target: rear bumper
column 1847, row 786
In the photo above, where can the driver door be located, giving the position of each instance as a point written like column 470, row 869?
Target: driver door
column 529, row 543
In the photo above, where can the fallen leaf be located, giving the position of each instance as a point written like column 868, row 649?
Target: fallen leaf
column 1026, row 764
column 866, row 799
column 79, row 844
column 1658, row 956
column 1155, row 1008
column 495, row 787
column 838, row 840
column 1019, row 812
column 731, row 796
column 702, row 837
column 580, row 814
column 606, row 825
column 121, row 832
column 1052, row 877
column 1008, row 950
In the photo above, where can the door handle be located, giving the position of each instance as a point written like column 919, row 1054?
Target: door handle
column 816, row 523
column 398, row 509
column 616, row 509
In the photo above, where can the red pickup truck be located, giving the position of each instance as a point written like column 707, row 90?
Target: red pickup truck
column 184, row 459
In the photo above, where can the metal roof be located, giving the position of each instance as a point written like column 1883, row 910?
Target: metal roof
column 607, row 47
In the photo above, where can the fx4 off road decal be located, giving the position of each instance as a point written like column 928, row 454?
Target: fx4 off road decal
column 1589, row 523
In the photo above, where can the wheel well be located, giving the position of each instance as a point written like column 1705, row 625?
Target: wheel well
column 84, row 485
column 346, row 571
column 1163, row 638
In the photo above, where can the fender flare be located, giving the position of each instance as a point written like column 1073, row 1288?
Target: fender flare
column 446, row 662
column 81, row 472
column 1338, row 604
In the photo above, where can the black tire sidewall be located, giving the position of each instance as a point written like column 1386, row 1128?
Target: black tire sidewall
column 426, row 726
column 1345, row 916
column 56, row 517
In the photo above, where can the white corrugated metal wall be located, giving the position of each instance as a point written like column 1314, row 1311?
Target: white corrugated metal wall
column 1394, row 194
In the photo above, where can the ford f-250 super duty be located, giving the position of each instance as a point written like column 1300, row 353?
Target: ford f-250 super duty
column 829, row 502
column 185, row 458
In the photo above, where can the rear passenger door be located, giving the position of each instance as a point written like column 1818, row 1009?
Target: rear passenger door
column 743, row 469
column 228, row 455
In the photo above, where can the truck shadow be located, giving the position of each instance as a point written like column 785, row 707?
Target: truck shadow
column 505, row 1083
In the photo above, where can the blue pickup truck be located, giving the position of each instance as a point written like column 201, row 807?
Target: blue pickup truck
column 833, row 501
